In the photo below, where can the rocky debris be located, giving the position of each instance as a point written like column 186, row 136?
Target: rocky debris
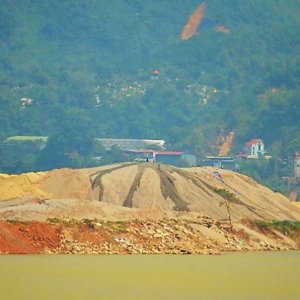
column 167, row 236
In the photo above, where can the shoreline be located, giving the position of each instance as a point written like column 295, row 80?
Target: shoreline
column 167, row 236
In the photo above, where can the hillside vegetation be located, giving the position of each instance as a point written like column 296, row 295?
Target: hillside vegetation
column 74, row 70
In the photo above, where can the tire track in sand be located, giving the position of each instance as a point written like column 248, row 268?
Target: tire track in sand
column 97, row 181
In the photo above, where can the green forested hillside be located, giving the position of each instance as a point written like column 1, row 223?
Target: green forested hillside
column 87, row 67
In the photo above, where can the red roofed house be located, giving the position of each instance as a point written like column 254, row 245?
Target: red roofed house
column 255, row 148
column 156, row 72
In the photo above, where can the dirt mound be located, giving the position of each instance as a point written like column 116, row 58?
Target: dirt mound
column 66, row 183
column 59, row 184
column 190, row 190
column 256, row 201
column 142, row 208
column 139, row 191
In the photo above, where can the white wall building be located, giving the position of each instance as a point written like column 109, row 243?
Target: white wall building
column 297, row 165
column 255, row 148
column 130, row 144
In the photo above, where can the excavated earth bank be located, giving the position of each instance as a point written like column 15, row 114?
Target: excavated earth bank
column 141, row 208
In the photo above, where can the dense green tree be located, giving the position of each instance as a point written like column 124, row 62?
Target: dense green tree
column 268, row 172
column 19, row 156
column 88, row 68
column 71, row 146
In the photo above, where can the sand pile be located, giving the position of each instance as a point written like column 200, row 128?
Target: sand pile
column 139, row 190
column 59, row 184
column 193, row 190
column 258, row 199
column 17, row 186
column 4, row 175
column 66, row 184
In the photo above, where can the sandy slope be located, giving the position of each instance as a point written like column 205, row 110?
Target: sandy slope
column 140, row 191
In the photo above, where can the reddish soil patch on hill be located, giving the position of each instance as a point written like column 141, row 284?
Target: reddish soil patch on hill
column 194, row 22
column 28, row 238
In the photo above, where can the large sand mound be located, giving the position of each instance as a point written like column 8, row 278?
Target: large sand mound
column 138, row 190
column 16, row 186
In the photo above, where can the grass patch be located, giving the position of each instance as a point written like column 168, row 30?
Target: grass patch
column 89, row 223
column 65, row 222
column 288, row 228
column 18, row 222
column 118, row 226
column 226, row 195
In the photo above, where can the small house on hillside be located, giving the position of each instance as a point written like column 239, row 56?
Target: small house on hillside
column 255, row 148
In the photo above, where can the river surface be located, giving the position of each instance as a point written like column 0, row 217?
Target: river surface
column 231, row 276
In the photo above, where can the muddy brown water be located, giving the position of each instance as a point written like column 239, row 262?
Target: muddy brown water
column 230, row 276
